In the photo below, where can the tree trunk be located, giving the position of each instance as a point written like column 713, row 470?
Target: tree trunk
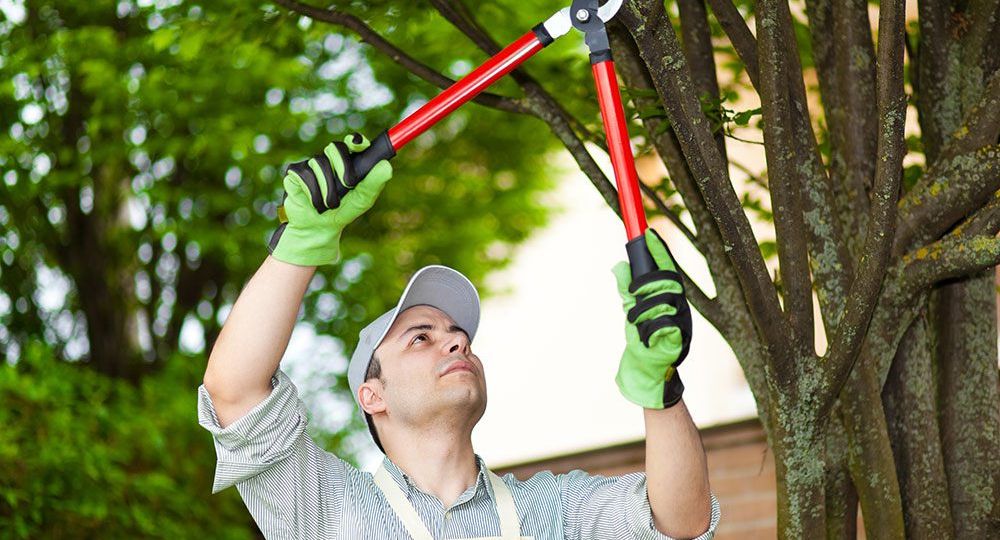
column 870, row 456
column 105, row 290
column 798, row 442
column 910, row 404
column 965, row 314
column 841, row 496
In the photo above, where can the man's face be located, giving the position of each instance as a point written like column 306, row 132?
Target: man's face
column 430, row 372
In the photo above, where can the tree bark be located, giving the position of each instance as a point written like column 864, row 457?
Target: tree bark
column 798, row 442
column 910, row 404
column 870, row 456
column 841, row 495
column 965, row 314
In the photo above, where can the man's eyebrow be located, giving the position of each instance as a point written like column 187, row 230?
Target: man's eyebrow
column 425, row 326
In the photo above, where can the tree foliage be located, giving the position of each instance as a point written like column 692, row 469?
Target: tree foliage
column 83, row 455
column 142, row 146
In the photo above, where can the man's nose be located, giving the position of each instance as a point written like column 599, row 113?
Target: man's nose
column 457, row 342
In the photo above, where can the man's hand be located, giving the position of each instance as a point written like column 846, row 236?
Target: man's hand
column 313, row 215
column 657, row 332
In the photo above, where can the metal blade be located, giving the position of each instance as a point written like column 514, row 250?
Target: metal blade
column 609, row 10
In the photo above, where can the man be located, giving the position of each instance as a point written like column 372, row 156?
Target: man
column 422, row 390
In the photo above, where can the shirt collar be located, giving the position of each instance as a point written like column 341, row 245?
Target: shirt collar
column 403, row 480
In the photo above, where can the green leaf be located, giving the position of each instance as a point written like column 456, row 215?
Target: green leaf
column 742, row 118
column 911, row 175
column 651, row 111
column 639, row 92
column 768, row 249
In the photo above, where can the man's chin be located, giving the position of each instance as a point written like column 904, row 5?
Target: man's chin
column 462, row 391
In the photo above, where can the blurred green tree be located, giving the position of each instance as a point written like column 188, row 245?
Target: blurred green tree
column 83, row 455
column 142, row 146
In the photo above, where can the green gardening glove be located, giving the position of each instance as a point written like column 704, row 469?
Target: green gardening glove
column 657, row 330
column 313, row 215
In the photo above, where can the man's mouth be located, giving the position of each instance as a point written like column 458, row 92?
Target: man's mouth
column 460, row 365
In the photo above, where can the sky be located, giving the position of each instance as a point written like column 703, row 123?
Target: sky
column 550, row 345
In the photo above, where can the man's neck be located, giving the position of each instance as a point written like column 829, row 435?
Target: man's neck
column 440, row 464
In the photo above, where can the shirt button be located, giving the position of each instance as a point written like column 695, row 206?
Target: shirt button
column 447, row 515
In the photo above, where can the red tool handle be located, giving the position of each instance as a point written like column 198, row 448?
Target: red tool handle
column 623, row 163
column 386, row 144
column 465, row 89
column 629, row 196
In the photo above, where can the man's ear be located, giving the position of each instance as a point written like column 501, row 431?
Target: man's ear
column 370, row 397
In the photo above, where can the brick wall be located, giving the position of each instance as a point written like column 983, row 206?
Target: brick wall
column 741, row 472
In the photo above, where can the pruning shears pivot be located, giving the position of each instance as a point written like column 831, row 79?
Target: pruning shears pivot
column 588, row 17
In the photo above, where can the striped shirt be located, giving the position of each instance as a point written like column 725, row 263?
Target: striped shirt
column 294, row 489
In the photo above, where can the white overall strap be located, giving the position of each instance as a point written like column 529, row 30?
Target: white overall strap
column 510, row 524
column 401, row 505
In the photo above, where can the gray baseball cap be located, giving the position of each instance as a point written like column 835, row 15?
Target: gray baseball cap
column 437, row 286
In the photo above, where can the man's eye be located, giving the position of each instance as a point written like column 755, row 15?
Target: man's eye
column 419, row 336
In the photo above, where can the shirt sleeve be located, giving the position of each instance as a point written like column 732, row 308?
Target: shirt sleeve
column 613, row 507
column 293, row 488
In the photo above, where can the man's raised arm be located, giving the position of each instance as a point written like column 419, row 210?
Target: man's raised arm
column 657, row 339
column 676, row 473
column 254, row 338
column 256, row 333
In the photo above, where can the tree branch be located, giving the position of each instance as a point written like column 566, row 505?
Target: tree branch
column 898, row 305
column 730, row 312
column 544, row 107
column 634, row 75
column 983, row 15
column 951, row 257
column 708, row 307
column 868, row 280
column 854, row 127
column 773, row 21
column 670, row 214
column 461, row 18
column 911, row 279
column 458, row 14
column 935, row 68
column 705, row 305
column 832, row 266
column 739, row 35
column 985, row 221
column 697, row 43
column 653, row 33
column 911, row 421
column 991, row 63
column 981, row 126
column 734, row 318
column 949, row 190
column 870, row 460
column 370, row 36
